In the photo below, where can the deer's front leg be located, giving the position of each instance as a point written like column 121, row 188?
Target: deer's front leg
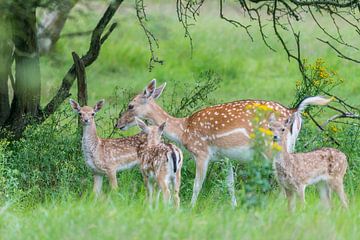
column 97, row 184
column 202, row 162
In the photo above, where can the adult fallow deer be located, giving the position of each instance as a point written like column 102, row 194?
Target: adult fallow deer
column 214, row 132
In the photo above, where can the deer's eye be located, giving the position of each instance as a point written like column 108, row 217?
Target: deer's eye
column 79, row 113
column 283, row 130
column 131, row 107
column 93, row 114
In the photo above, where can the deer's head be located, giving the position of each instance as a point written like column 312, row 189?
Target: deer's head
column 86, row 113
column 280, row 129
column 140, row 105
column 153, row 133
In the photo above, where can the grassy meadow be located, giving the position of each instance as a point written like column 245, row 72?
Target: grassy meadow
column 47, row 187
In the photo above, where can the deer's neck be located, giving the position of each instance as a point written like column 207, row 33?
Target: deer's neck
column 153, row 142
column 90, row 139
column 282, row 156
column 174, row 126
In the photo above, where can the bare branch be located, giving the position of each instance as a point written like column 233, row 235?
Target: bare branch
column 344, row 115
column 322, row 129
column 152, row 40
column 340, row 54
column 96, row 41
column 234, row 22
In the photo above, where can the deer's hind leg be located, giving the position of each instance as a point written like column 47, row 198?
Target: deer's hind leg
column 325, row 193
column 113, row 180
column 231, row 184
column 177, row 183
column 338, row 186
column 164, row 186
column 290, row 198
column 301, row 194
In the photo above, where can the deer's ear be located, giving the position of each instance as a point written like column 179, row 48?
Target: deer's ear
column 158, row 91
column 142, row 125
column 162, row 127
column 99, row 105
column 74, row 105
column 150, row 88
column 272, row 118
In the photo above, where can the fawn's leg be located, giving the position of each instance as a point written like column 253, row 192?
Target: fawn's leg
column 164, row 186
column 301, row 194
column 231, row 184
column 324, row 192
column 291, row 200
column 177, row 182
column 97, row 184
column 202, row 162
column 113, row 180
column 338, row 186
column 150, row 189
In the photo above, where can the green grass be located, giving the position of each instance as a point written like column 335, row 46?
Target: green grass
column 248, row 70
column 111, row 217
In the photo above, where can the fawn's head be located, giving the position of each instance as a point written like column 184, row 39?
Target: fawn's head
column 153, row 132
column 279, row 128
column 140, row 105
column 86, row 113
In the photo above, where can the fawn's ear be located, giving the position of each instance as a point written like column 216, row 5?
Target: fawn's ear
column 158, row 91
column 162, row 127
column 142, row 125
column 150, row 88
column 74, row 105
column 272, row 118
column 99, row 105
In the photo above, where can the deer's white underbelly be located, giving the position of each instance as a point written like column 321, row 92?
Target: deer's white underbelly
column 243, row 153
column 317, row 179
column 125, row 166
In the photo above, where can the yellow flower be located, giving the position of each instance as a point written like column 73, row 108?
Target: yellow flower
column 334, row 129
column 266, row 131
column 258, row 106
column 264, row 107
column 316, row 82
column 277, row 147
column 252, row 135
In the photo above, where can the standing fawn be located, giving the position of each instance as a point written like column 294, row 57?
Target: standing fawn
column 214, row 132
column 105, row 156
column 325, row 167
column 160, row 161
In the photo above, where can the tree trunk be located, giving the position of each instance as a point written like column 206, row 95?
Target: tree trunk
column 26, row 102
column 52, row 23
column 5, row 64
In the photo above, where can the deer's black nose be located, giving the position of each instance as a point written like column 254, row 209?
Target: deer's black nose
column 276, row 138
